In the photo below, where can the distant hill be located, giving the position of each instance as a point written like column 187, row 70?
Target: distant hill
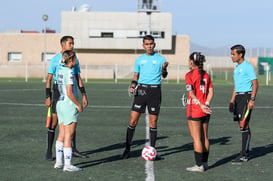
column 225, row 51
column 220, row 51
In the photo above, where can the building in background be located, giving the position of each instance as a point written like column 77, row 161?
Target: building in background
column 107, row 43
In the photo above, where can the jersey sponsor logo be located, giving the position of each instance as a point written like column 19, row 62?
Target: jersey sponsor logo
column 143, row 61
column 154, row 62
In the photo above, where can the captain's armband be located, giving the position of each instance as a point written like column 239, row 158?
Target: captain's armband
column 189, row 87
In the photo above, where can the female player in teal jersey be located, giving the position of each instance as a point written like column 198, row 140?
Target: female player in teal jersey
column 149, row 68
column 67, row 43
column 68, row 108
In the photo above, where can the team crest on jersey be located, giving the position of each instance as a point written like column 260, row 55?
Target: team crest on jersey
column 154, row 62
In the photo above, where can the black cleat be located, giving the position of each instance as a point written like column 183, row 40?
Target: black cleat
column 49, row 157
column 126, row 154
column 76, row 153
column 158, row 157
column 240, row 158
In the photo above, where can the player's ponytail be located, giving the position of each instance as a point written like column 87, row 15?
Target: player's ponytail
column 67, row 55
column 199, row 59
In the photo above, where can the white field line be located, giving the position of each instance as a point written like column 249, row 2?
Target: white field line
column 149, row 165
column 119, row 107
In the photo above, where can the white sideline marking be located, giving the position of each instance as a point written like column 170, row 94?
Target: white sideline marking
column 121, row 107
column 149, row 165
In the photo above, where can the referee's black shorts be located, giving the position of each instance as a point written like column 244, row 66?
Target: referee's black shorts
column 147, row 95
column 56, row 95
column 240, row 105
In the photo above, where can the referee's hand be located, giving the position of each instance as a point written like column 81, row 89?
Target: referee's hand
column 231, row 107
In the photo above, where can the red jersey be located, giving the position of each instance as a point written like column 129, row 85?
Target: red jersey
column 200, row 91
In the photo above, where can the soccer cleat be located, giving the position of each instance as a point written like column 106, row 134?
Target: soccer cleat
column 206, row 166
column 240, row 158
column 58, row 165
column 71, row 168
column 158, row 157
column 126, row 154
column 196, row 168
column 76, row 153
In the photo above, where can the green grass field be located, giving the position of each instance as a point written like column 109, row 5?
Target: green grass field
column 101, row 135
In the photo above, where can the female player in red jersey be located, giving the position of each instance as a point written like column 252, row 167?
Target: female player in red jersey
column 200, row 93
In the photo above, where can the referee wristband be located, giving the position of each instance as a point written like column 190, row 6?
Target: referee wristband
column 252, row 98
column 133, row 84
column 48, row 93
column 82, row 89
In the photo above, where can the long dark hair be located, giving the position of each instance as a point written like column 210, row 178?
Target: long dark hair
column 67, row 55
column 198, row 59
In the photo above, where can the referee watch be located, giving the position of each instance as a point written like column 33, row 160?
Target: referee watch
column 252, row 98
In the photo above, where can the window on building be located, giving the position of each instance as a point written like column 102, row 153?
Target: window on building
column 107, row 34
column 14, row 56
column 155, row 34
column 47, row 56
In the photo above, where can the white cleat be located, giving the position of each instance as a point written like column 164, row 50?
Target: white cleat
column 196, row 168
column 58, row 165
column 71, row 168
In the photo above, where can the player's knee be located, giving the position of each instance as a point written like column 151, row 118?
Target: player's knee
column 133, row 123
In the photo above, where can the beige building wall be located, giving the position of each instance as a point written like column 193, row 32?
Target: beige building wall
column 32, row 46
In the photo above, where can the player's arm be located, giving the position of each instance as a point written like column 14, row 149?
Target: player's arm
column 48, row 89
column 134, row 82
column 209, row 96
column 253, row 94
column 82, row 90
column 231, row 106
column 204, row 107
column 71, row 96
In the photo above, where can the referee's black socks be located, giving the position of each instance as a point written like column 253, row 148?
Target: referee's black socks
column 246, row 136
column 153, row 135
column 50, row 140
column 129, row 136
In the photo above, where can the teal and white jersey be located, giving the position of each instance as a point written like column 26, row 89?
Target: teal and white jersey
column 243, row 74
column 149, row 68
column 66, row 109
column 56, row 63
column 65, row 77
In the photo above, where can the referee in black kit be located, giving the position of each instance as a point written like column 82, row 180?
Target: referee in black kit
column 146, row 83
column 243, row 97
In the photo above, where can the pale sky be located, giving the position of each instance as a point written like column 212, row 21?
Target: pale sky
column 211, row 23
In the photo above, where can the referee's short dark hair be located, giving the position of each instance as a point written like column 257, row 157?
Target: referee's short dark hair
column 148, row 37
column 64, row 38
column 239, row 49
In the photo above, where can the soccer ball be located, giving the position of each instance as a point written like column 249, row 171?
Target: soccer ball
column 148, row 153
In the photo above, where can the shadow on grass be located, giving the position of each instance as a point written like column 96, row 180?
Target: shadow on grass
column 133, row 153
column 254, row 153
column 189, row 146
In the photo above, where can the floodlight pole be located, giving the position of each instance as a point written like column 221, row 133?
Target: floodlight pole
column 45, row 18
column 149, row 13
